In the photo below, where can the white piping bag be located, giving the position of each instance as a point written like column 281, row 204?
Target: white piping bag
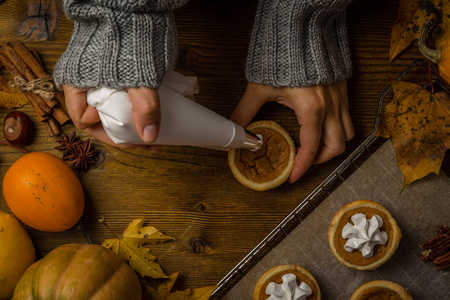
column 183, row 121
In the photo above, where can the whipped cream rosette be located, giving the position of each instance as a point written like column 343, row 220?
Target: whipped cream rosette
column 287, row 282
column 363, row 235
column 289, row 289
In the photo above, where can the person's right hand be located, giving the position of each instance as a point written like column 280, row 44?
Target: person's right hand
column 322, row 113
column 145, row 109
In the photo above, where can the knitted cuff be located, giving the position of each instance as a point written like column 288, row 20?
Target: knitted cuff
column 299, row 43
column 117, row 48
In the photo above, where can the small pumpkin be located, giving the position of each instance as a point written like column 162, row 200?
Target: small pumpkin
column 44, row 192
column 440, row 56
column 79, row 271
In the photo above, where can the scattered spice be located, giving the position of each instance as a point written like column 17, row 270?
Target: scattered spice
column 79, row 154
column 68, row 144
column 437, row 249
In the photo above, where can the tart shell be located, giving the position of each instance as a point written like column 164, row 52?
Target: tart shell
column 274, row 275
column 355, row 259
column 378, row 286
column 286, row 161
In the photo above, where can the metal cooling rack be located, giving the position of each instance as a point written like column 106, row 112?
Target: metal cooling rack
column 311, row 201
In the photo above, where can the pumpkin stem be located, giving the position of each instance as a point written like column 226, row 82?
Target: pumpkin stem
column 84, row 233
column 433, row 55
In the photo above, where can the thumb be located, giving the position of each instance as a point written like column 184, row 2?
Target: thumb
column 146, row 112
column 83, row 115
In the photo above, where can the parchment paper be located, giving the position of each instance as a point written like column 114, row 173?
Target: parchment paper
column 418, row 210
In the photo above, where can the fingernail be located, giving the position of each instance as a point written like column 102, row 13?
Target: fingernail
column 150, row 133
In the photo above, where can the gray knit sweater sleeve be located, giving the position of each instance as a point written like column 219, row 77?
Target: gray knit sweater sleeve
column 118, row 43
column 299, row 43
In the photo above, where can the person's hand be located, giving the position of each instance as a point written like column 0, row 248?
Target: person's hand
column 322, row 112
column 145, row 108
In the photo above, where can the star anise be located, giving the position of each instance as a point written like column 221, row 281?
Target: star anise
column 81, row 155
column 68, row 144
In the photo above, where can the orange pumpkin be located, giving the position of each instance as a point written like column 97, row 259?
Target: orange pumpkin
column 440, row 56
column 44, row 192
column 77, row 271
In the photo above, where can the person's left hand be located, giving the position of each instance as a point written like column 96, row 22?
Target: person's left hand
column 321, row 110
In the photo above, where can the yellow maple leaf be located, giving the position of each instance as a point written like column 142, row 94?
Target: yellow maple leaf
column 11, row 97
column 130, row 248
column 162, row 291
column 418, row 124
column 144, row 234
column 192, row 294
column 412, row 16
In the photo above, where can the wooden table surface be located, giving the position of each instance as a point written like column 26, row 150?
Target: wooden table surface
column 190, row 193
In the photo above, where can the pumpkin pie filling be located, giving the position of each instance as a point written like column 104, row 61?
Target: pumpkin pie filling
column 356, row 257
column 379, row 293
column 269, row 161
column 381, row 290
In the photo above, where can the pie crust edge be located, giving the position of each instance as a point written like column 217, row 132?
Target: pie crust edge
column 285, row 269
column 401, row 291
column 282, row 177
column 357, row 204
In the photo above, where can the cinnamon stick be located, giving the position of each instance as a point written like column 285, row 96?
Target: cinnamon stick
column 18, row 62
column 25, row 63
column 60, row 115
column 59, row 96
column 51, row 127
column 41, row 109
column 32, row 59
column 28, row 58
column 41, row 114
column 37, row 57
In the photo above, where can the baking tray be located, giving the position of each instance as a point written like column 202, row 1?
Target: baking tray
column 324, row 189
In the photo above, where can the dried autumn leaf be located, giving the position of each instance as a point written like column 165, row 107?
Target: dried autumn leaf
column 163, row 289
column 11, row 97
column 412, row 15
column 144, row 234
column 192, row 294
column 418, row 124
column 139, row 258
column 130, row 248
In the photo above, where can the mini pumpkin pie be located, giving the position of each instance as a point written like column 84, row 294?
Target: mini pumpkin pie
column 381, row 289
column 280, row 279
column 363, row 235
column 270, row 165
